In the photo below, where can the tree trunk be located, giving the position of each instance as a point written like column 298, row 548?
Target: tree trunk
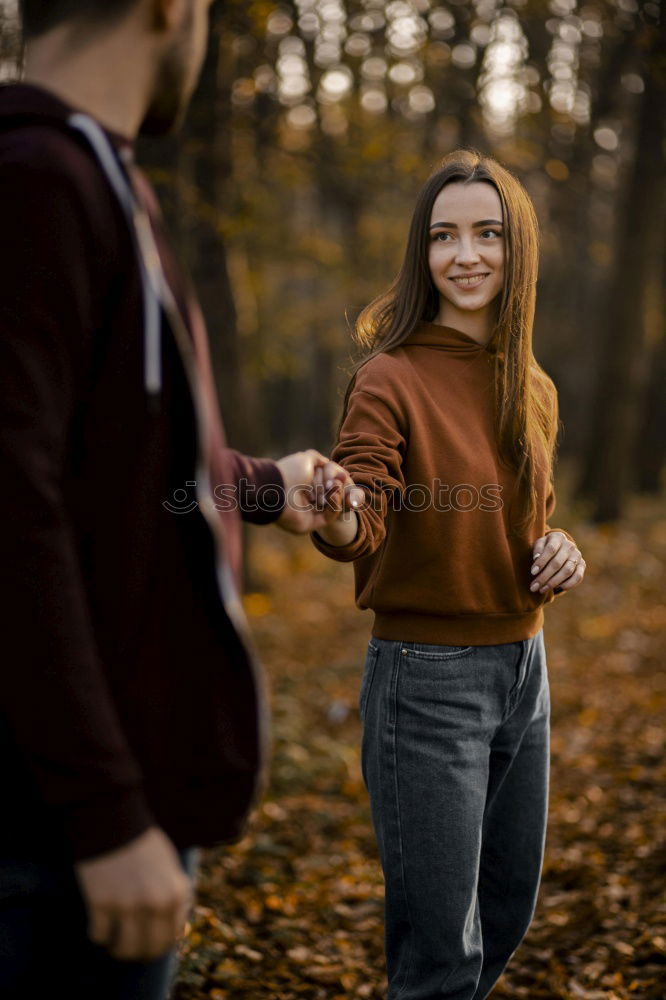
column 623, row 363
column 650, row 450
column 207, row 139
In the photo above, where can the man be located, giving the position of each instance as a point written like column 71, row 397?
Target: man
column 132, row 722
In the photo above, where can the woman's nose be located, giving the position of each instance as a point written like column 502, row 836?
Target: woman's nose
column 467, row 252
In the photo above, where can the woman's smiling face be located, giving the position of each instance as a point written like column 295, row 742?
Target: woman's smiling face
column 466, row 254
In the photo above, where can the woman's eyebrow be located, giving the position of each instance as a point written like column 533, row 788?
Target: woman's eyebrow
column 475, row 225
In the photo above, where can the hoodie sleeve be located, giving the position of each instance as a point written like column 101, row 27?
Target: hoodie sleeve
column 371, row 447
column 54, row 697
column 260, row 487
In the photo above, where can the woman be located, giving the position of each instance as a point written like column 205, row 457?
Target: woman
column 449, row 428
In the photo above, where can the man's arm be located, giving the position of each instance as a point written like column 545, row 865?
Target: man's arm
column 55, row 695
column 260, row 487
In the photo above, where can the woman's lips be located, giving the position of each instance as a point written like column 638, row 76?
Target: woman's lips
column 468, row 280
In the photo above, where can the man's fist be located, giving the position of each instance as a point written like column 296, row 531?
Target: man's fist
column 306, row 508
column 137, row 897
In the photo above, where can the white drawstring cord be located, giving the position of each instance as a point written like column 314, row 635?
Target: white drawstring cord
column 152, row 318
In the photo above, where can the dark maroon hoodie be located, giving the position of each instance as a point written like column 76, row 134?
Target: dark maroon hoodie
column 130, row 694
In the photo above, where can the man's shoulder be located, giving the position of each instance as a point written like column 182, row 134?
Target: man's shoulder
column 35, row 133
column 49, row 179
column 50, row 152
column 39, row 157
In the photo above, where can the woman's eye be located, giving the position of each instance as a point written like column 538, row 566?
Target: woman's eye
column 442, row 237
column 490, row 233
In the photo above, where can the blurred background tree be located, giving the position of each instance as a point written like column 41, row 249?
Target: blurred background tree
column 314, row 126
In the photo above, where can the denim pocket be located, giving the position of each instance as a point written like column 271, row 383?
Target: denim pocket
column 368, row 675
column 427, row 651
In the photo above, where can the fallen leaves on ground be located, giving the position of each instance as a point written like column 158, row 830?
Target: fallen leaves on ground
column 294, row 910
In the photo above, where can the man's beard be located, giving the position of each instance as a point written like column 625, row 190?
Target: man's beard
column 167, row 108
column 172, row 90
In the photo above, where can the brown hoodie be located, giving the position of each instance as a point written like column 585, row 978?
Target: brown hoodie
column 434, row 556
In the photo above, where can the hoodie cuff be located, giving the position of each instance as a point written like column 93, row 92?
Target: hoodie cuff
column 570, row 537
column 341, row 553
column 105, row 824
column 263, row 500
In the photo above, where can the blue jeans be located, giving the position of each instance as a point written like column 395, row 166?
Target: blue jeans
column 456, row 749
column 44, row 946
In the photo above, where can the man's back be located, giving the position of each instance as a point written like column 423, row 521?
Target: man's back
column 131, row 710
column 127, row 586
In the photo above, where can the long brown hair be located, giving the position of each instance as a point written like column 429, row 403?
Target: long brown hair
column 525, row 397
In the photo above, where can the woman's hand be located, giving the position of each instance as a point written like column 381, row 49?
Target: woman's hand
column 558, row 563
column 309, row 503
column 335, row 490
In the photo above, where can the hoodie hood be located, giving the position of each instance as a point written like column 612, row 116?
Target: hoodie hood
column 26, row 103
column 445, row 338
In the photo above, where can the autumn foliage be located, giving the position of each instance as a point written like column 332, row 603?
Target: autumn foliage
column 295, row 909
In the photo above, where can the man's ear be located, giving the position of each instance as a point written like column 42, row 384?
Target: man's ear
column 164, row 14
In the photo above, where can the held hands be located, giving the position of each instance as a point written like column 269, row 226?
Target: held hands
column 343, row 499
column 311, row 503
column 137, row 897
column 558, row 564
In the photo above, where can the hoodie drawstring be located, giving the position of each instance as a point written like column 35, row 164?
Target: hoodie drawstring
column 140, row 228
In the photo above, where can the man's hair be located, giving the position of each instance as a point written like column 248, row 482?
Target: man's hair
column 39, row 16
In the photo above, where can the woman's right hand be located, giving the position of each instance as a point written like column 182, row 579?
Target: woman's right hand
column 334, row 488
column 336, row 491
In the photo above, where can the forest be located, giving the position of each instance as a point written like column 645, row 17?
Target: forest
column 315, row 123
column 313, row 128
column 289, row 191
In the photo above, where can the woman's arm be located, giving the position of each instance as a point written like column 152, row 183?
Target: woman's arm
column 556, row 558
column 370, row 448
column 343, row 530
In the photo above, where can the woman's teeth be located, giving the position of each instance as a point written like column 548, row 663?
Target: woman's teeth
column 474, row 279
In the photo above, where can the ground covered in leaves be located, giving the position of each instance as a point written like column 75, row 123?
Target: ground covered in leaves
column 295, row 909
